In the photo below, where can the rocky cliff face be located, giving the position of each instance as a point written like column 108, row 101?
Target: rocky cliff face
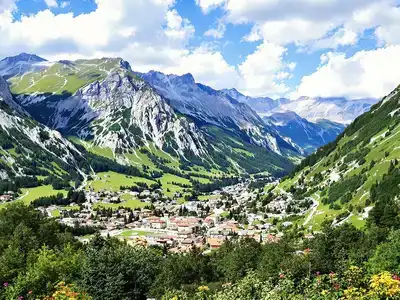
column 104, row 102
column 209, row 106
column 261, row 105
column 37, row 145
column 120, row 112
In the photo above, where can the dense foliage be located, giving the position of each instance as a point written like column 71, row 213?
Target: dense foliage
column 40, row 258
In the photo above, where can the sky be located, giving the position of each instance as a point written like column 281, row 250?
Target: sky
column 274, row 48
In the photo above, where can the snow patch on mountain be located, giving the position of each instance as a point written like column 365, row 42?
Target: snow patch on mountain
column 119, row 112
column 339, row 110
column 306, row 135
column 21, row 64
column 262, row 105
column 210, row 106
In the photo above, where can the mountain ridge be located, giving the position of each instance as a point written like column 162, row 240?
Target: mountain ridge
column 307, row 135
column 344, row 176
column 103, row 101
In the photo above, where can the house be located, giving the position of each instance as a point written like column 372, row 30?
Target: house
column 215, row 243
column 158, row 224
column 272, row 239
column 169, row 240
column 210, row 222
column 5, row 198
column 145, row 193
column 135, row 194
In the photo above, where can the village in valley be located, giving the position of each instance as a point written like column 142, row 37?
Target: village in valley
column 177, row 222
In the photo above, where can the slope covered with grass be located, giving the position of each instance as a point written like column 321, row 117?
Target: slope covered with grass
column 345, row 172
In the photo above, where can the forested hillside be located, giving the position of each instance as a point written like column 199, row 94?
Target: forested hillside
column 356, row 174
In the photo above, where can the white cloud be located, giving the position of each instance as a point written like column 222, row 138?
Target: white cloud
column 372, row 73
column 263, row 71
column 207, row 5
column 298, row 31
column 7, row 5
column 312, row 24
column 177, row 27
column 51, row 3
column 113, row 26
column 65, row 4
column 254, row 36
column 218, row 32
column 208, row 66
column 149, row 34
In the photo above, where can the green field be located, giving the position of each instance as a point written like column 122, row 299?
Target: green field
column 170, row 189
column 62, row 78
column 129, row 233
column 113, row 181
column 129, row 203
column 201, row 179
column 55, row 213
column 29, row 195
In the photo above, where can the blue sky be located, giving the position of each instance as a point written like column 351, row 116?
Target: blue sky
column 261, row 47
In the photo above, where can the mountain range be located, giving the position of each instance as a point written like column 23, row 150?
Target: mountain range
column 335, row 109
column 307, row 122
column 104, row 105
column 307, row 135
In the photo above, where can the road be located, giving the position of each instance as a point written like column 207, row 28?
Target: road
column 313, row 210
column 23, row 196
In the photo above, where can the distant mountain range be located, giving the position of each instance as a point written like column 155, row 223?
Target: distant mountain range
column 335, row 109
column 308, row 122
column 338, row 110
column 262, row 105
column 307, row 135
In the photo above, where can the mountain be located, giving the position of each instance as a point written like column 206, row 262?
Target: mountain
column 29, row 148
column 21, row 64
column 339, row 110
column 212, row 107
column 358, row 173
column 104, row 106
column 308, row 123
column 262, row 105
column 103, row 100
column 307, row 135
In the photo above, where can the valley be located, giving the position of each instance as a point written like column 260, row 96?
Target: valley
column 109, row 158
column 199, row 150
column 124, row 132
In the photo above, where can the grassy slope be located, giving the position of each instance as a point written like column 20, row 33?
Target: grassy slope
column 113, row 181
column 29, row 195
column 63, row 78
column 379, row 131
